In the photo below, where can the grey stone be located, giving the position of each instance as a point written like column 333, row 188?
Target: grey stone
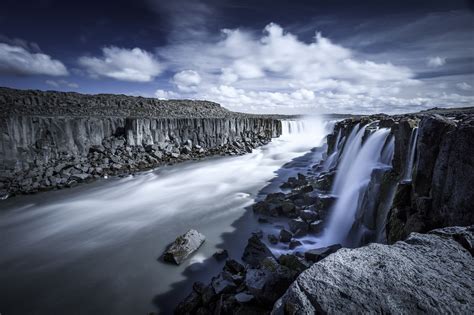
column 183, row 246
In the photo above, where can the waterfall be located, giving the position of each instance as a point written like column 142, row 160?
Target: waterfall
column 407, row 174
column 351, row 150
column 331, row 160
column 353, row 176
column 293, row 127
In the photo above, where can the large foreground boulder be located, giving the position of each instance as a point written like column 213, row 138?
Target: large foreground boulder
column 183, row 246
column 426, row 273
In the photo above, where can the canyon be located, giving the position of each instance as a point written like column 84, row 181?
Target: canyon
column 316, row 215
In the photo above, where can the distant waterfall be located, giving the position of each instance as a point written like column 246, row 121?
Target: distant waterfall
column 306, row 129
column 353, row 176
column 407, row 174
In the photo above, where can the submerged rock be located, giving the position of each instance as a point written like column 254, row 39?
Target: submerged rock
column 183, row 246
column 426, row 273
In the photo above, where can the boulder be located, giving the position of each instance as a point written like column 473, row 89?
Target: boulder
column 426, row 273
column 255, row 251
column 285, row 236
column 183, row 246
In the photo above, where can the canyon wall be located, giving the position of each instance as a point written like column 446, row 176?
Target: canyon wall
column 53, row 140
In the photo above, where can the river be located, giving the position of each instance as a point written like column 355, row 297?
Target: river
column 94, row 248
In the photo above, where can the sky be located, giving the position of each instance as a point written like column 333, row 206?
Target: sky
column 288, row 57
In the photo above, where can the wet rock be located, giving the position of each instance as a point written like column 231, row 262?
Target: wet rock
column 309, row 215
column 80, row 177
column 222, row 284
column 323, row 204
column 294, row 243
column 244, row 297
column 427, row 273
column 189, row 304
column 318, row 254
column 286, row 207
column 263, row 220
column 258, row 233
column 324, row 182
column 298, row 225
column 293, row 262
column 233, row 266
column 183, row 246
column 316, row 226
column 273, row 239
column 255, row 280
column 285, row 236
column 221, row 254
column 255, row 251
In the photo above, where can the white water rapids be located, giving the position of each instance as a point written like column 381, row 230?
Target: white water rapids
column 95, row 246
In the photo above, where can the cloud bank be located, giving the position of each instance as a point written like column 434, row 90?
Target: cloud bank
column 244, row 70
column 18, row 60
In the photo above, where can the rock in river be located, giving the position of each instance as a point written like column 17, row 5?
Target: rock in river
column 183, row 246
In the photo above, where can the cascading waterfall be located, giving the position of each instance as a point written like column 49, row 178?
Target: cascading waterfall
column 407, row 174
column 353, row 176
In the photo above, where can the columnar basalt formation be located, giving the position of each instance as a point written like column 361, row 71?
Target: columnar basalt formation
column 54, row 139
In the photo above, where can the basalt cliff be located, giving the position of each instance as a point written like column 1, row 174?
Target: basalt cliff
column 52, row 140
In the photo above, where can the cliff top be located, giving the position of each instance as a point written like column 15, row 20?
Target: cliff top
column 53, row 103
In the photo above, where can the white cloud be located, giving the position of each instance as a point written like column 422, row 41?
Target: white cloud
column 165, row 95
column 187, row 80
column 123, row 64
column 18, row 60
column 278, row 72
column 464, row 86
column 62, row 83
column 436, row 61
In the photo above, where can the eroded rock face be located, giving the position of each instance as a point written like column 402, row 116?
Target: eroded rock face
column 441, row 193
column 183, row 246
column 426, row 273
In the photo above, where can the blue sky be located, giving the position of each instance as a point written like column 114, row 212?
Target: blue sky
column 252, row 56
